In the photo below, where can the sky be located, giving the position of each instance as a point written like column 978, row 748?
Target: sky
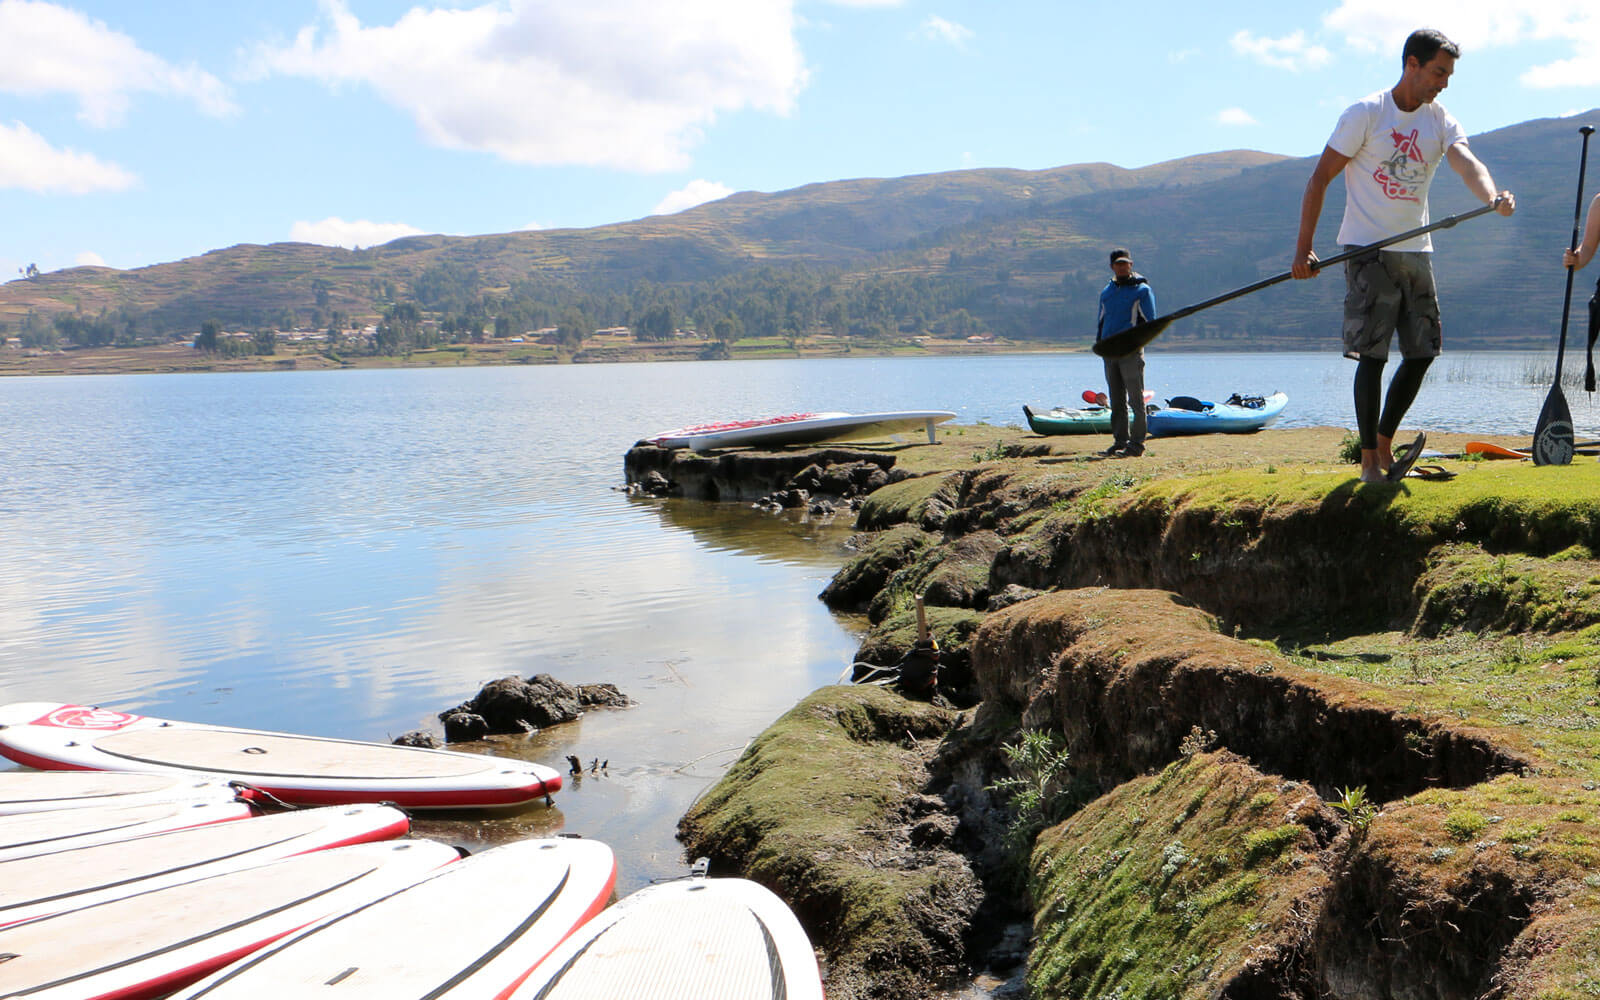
column 133, row 133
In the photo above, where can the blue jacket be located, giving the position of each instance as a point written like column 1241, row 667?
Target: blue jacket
column 1122, row 304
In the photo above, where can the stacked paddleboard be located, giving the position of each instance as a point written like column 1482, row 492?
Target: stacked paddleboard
column 299, row 770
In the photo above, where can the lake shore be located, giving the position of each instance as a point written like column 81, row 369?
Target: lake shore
column 179, row 357
column 1232, row 718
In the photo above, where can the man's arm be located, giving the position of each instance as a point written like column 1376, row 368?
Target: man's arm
column 1147, row 304
column 1591, row 238
column 1311, row 210
column 1477, row 178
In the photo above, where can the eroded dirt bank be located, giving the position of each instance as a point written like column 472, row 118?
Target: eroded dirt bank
column 1289, row 736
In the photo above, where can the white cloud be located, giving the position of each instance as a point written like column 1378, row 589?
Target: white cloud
column 1236, row 117
column 336, row 232
column 49, row 49
column 89, row 259
column 696, row 192
column 866, row 3
column 629, row 84
column 940, row 30
column 1376, row 26
column 1291, row 52
column 28, row 162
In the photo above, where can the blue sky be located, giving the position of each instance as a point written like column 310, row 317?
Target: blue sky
column 135, row 133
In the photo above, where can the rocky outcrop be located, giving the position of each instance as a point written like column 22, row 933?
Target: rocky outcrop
column 515, row 705
column 835, row 809
column 751, row 475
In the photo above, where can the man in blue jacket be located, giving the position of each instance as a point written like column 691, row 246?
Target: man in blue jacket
column 1125, row 301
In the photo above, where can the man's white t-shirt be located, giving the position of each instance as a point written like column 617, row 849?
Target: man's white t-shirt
column 1393, row 155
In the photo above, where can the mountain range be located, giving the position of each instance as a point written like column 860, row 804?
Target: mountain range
column 1023, row 252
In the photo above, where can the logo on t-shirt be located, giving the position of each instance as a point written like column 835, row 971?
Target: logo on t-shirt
column 1403, row 174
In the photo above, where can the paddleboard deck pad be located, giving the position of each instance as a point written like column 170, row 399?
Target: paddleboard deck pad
column 27, row 834
column 43, row 884
column 39, row 791
column 300, row 770
column 523, row 900
column 693, row 939
column 150, row 944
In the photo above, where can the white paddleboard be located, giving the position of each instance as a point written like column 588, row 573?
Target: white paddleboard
column 681, row 436
column 303, row 770
column 28, row 834
column 153, row 943
column 36, row 791
column 694, row 939
column 474, row 930
column 50, row 883
column 826, row 427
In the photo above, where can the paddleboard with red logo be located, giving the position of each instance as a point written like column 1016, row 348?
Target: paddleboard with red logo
column 301, row 770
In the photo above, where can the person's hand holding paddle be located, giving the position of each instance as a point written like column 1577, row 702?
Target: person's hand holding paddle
column 1305, row 266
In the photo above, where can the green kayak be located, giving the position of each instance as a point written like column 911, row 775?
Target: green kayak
column 1089, row 420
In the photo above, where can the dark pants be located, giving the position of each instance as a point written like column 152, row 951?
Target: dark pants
column 1124, row 389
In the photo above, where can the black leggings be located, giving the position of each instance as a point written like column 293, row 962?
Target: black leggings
column 1402, row 390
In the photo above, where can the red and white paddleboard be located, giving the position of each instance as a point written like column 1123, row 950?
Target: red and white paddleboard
column 474, row 931
column 37, row 791
column 64, row 829
column 151, row 944
column 694, row 939
column 63, row 880
column 303, row 770
column 679, row 437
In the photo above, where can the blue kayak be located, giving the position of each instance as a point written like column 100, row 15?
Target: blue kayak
column 1238, row 415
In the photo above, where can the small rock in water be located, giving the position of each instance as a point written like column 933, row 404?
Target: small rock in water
column 418, row 738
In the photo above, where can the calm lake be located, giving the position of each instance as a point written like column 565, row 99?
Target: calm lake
column 349, row 553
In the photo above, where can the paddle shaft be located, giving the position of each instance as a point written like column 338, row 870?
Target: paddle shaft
column 1577, row 214
column 1149, row 331
column 1444, row 223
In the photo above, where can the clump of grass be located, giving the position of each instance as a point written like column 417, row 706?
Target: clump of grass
column 1465, row 825
column 1350, row 448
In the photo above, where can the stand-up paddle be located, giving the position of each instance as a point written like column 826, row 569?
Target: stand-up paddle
column 1552, row 435
column 1135, row 337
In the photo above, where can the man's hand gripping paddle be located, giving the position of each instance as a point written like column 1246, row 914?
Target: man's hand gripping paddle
column 1135, row 337
column 1552, row 435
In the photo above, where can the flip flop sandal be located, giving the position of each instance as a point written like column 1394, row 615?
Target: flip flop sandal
column 1403, row 463
column 1436, row 472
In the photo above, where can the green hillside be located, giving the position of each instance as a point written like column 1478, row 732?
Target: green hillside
column 1017, row 253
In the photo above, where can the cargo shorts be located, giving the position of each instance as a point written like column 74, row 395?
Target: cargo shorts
column 1386, row 293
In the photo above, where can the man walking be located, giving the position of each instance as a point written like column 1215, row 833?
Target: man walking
column 1387, row 146
column 1125, row 301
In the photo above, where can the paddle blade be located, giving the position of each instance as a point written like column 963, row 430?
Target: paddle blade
column 1122, row 344
column 1089, row 396
column 1488, row 450
column 1552, row 435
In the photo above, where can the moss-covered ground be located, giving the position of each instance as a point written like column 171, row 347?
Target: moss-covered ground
column 1325, row 739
